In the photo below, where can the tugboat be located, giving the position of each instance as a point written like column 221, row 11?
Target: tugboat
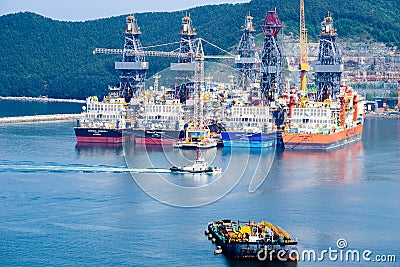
column 261, row 241
column 200, row 166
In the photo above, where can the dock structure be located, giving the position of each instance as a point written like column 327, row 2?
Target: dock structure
column 40, row 118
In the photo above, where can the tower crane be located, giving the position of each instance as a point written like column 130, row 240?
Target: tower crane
column 304, row 67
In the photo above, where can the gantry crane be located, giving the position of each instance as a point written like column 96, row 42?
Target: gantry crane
column 304, row 66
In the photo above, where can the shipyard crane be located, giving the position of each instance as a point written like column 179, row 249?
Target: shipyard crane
column 304, row 67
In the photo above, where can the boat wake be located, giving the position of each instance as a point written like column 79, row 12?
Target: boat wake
column 28, row 167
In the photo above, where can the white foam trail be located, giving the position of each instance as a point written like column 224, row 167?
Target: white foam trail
column 66, row 168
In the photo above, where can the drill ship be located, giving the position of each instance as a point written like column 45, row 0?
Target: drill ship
column 110, row 120
column 249, row 120
column 103, row 121
column 324, row 125
column 330, row 115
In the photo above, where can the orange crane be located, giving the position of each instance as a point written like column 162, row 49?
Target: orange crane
column 304, row 67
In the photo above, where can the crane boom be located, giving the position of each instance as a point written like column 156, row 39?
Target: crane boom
column 304, row 67
column 132, row 52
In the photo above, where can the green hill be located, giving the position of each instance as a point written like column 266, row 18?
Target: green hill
column 41, row 56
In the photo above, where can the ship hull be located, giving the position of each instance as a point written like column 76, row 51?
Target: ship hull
column 244, row 139
column 98, row 135
column 257, row 251
column 155, row 137
column 298, row 141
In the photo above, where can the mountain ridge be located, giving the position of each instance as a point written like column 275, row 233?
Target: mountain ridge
column 42, row 56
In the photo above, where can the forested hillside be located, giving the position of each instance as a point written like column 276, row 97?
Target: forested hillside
column 41, row 56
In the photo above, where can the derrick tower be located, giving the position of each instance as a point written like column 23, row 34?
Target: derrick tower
column 247, row 59
column 187, row 45
column 304, row 67
column 185, row 65
column 271, row 60
column 328, row 67
column 133, row 65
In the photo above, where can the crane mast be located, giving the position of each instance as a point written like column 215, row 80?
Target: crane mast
column 304, row 67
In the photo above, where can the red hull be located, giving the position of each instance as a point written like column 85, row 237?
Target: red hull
column 99, row 139
column 155, row 141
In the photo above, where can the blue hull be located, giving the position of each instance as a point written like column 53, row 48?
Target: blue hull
column 244, row 139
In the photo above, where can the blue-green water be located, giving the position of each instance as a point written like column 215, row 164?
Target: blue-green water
column 63, row 204
column 12, row 108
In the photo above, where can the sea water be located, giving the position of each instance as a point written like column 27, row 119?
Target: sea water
column 68, row 204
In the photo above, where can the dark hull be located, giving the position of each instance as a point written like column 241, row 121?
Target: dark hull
column 177, row 169
column 97, row 135
column 155, row 137
column 257, row 251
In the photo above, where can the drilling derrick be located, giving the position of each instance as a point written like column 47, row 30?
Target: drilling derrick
column 329, row 66
column 304, row 67
column 185, row 65
column 247, row 59
column 133, row 65
column 271, row 60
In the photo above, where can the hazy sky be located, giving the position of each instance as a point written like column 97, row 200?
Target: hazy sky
column 79, row 10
